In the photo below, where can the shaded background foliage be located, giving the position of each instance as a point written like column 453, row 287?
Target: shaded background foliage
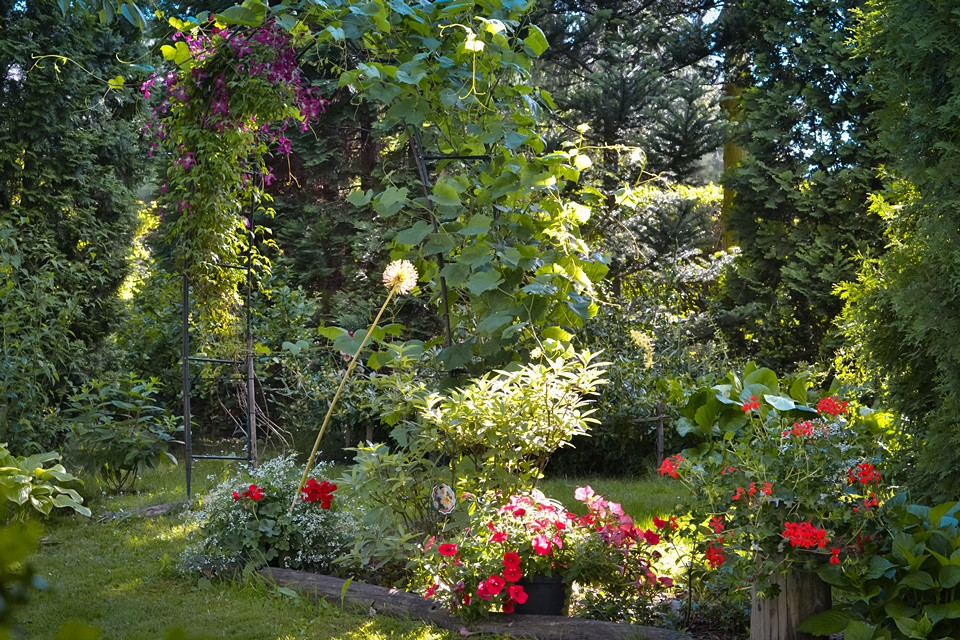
column 69, row 163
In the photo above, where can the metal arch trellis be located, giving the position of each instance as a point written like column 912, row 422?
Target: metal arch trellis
column 250, row 457
column 247, row 362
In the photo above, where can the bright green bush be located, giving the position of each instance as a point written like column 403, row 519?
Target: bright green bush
column 780, row 478
column 496, row 433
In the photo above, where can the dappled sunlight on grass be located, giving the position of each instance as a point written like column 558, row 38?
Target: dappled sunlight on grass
column 642, row 498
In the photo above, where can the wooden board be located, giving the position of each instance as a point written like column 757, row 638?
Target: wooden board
column 802, row 594
column 395, row 602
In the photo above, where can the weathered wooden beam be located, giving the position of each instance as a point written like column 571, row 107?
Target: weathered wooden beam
column 399, row 603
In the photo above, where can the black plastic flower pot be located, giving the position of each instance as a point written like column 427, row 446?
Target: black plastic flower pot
column 546, row 596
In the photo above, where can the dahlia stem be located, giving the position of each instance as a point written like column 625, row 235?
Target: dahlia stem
column 336, row 396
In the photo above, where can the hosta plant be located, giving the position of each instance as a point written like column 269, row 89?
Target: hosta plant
column 31, row 485
column 248, row 520
column 783, row 479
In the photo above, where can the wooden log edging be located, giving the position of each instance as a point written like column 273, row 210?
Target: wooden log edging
column 397, row 603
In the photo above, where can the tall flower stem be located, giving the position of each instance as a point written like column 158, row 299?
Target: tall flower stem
column 336, row 396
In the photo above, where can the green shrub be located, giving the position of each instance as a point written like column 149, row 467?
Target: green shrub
column 247, row 520
column 25, row 482
column 119, row 431
column 496, row 433
column 908, row 592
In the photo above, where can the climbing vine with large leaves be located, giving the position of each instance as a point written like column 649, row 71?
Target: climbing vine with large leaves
column 496, row 236
column 221, row 116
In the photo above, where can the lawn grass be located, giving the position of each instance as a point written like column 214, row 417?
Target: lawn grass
column 122, row 574
column 642, row 498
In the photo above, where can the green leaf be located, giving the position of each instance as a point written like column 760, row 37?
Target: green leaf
column 331, row 333
column 825, row 623
column 949, row 576
column 858, row 630
column 920, row 580
column 360, row 198
column 391, row 201
column 456, row 356
column 438, row 243
column 780, row 403
column 415, row 234
column 938, row 612
column 536, row 40
column 455, row 274
column 484, row 281
column 556, row 333
column 168, row 52
column 115, row 83
column 878, row 566
column 241, row 15
column 445, row 194
column 479, row 224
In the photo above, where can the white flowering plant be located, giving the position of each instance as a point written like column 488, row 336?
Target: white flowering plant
column 248, row 520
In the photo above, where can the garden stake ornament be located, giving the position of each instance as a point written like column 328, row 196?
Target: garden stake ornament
column 399, row 277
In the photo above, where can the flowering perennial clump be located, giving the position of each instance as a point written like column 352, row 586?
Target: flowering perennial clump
column 485, row 564
column 791, row 485
column 252, row 524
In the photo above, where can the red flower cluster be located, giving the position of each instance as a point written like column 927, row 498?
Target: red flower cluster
column 864, row 473
column 715, row 557
column 807, row 429
column 253, row 492
column 495, row 584
column 321, row 492
column 832, row 406
column 804, row 534
column 670, row 465
column 751, row 404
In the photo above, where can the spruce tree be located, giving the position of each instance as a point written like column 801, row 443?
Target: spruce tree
column 800, row 194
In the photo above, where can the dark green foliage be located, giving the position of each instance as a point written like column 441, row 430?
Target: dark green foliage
column 68, row 160
column 662, row 244
column 627, row 68
column 904, row 308
column 801, row 193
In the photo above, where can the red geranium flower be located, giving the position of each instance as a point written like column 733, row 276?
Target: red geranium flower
column 835, row 555
column 804, row 534
column 751, row 404
column 670, row 465
column 253, row 492
column 447, row 549
column 236, row 496
column 517, row 594
column 495, row 585
column 716, row 523
column 832, row 406
column 715, row 557
column 321, row 492
column 541, row 545
column 507, row 606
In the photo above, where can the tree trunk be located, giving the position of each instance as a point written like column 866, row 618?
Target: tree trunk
column 802, row 594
